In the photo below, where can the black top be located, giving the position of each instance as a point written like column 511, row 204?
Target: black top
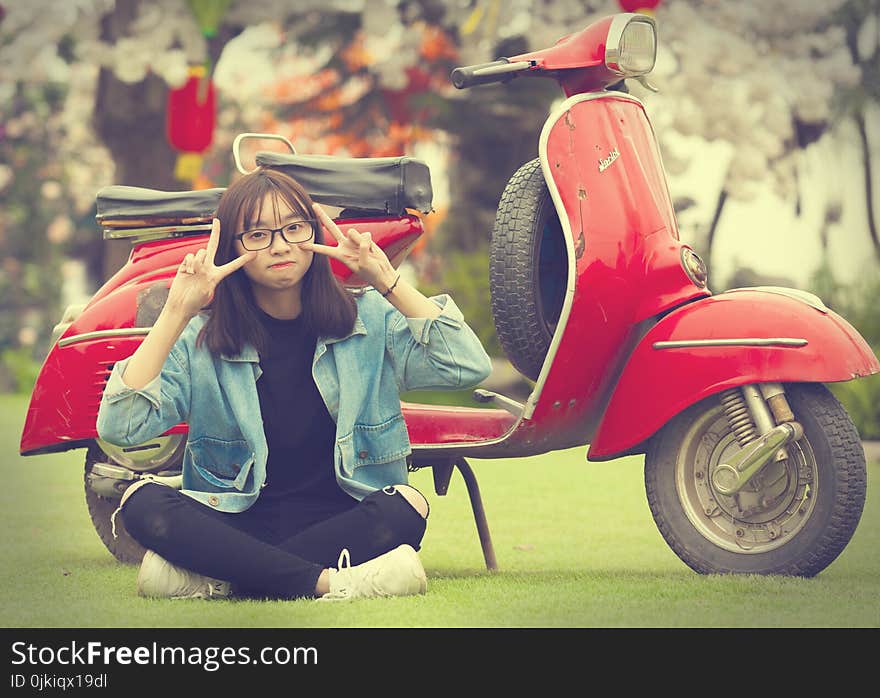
column 299, row 430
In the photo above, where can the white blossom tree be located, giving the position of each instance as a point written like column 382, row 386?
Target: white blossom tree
column 759, row 76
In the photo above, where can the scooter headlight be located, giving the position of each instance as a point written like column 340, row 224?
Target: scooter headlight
column 694, row 267
column 631, row 47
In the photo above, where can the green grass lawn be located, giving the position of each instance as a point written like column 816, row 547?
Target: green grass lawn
column 575, row 542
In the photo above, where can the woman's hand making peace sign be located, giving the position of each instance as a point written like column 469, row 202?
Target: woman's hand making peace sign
column 357, row 251
column 197, row 276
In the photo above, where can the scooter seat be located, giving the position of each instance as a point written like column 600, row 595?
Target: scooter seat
column 120, row 204
column 445, row 424
column 390, row 184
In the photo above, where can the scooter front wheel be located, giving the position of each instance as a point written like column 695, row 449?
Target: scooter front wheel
column 794, row 517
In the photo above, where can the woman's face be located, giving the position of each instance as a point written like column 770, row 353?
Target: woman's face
column 282, row 265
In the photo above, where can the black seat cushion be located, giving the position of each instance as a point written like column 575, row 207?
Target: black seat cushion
column 123, row 202
column 389, row 185
column 375, row 184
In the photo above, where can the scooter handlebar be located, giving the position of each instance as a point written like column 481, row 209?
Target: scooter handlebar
column 501, row 70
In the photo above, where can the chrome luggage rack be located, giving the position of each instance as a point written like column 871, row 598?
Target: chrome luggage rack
column 140, row 214
column 161, row 232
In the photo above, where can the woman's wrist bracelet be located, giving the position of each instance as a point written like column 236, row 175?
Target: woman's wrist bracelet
column 391, row 288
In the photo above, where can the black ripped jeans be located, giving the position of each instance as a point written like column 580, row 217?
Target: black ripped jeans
column 274, row 549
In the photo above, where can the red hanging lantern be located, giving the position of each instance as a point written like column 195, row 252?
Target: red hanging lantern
column 191, row 109
column 190, row 113
column 644, row 6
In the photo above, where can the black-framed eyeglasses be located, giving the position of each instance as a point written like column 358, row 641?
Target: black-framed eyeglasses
column 261, row 238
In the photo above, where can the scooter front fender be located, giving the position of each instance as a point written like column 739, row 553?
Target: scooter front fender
column 752, row 335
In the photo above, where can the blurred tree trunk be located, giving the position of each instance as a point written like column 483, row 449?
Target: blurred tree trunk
column 706, row 252
column 494, row 130
column 130, row 120
column 868, row 180
column 488, row 150
column 853, row 15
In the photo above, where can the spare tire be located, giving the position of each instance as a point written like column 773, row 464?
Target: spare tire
column 528, row 269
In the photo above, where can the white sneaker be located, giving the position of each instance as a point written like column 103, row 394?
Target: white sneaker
column 161, row 579
column 398, row 572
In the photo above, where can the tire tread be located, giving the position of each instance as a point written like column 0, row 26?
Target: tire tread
column 849, row 498
column 513, row 282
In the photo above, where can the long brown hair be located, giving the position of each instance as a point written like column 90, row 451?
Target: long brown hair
column 328, row 308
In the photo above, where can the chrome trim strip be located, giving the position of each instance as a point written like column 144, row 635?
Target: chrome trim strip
column 117, row 472
column 744, row 342
column 546, row 168
column 161, row 232
column 98, row 334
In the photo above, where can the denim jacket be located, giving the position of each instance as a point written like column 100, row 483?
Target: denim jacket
column 360, row 377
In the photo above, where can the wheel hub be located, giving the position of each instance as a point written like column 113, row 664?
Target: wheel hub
column 768, row 511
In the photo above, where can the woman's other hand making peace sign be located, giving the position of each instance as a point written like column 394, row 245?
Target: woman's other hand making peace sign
column 357, row 251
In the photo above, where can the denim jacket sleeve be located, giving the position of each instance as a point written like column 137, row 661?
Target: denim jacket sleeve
column 441, row 352
column 129, row 416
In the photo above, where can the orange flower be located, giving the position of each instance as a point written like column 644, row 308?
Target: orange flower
column 436, row 44
column 355, row 55
column 202, row 181
column 399, row 132
column 430, row 223
column 329, row 102
column 268, row 123
column 282, row 91
column 328, row 77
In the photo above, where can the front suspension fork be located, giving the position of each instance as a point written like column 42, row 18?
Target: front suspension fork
column 763, row 423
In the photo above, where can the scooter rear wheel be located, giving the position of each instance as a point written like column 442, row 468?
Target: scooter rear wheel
column 793, row 518
column 527, row 269
column 123, row 547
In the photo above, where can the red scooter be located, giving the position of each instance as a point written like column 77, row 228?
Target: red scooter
column 751, row 465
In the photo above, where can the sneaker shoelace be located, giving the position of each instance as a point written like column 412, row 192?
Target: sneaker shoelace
column 218, row 588
column 346, row 590
column 342, row 564
column 201, row 587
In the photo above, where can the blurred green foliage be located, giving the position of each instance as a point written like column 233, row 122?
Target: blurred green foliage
column 35, row 231
column 857, row 303
column 466, row 278
column 18, row 371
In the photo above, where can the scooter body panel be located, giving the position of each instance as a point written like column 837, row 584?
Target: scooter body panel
column 67, row 394
column 731, row 339
column 603, row 169
column 602, row 165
